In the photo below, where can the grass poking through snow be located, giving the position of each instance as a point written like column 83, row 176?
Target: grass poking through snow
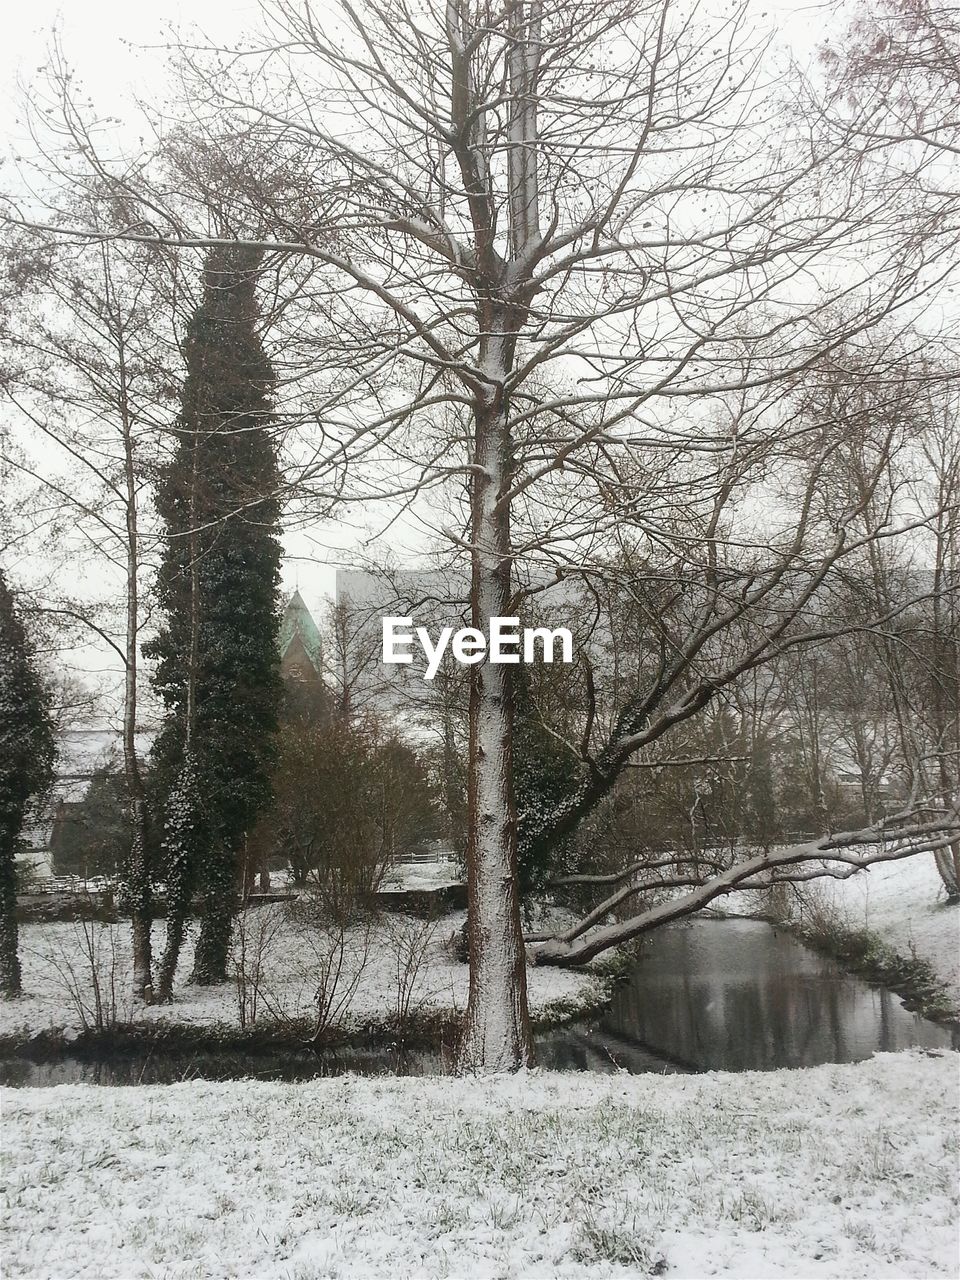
column 840, row 1171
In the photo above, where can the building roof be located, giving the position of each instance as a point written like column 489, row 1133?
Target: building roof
column 297, row 622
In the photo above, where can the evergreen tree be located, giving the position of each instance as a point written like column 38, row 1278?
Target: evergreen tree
column 27, row 751
column 544, row 772
column 218, row 669
column 94, row 838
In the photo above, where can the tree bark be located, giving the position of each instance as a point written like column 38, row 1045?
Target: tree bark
column 176, row 922
column 138, row 871
column 946, row 680
column 496, row 1034
column 181, row 875
column 9, row 959
column 185, row 819
column 216, row 926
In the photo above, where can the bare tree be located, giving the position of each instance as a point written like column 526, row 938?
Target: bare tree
column 566, row 258
column 837, row 856
column 899, row 65
column 859, row 489
column 93, row 360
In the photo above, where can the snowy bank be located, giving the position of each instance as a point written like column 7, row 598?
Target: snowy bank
column 396, row 959
column 838, row 1171
column 904, row 904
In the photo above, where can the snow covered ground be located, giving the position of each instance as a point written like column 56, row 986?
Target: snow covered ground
column 399, row 955
column 838, row 1171
column 437, row 873
column 904, row 903
column 901, row 901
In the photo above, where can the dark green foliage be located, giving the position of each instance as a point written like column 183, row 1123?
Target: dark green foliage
column 92, row 837
column 217, row 660
column 545, row 772
column 27, row 751
column 187, row 846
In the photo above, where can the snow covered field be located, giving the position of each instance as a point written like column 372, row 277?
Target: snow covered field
column 382, row 962
column 838, row 1171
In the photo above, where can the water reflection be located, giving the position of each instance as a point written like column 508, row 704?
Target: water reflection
column 741, row 995
column 171, row 1068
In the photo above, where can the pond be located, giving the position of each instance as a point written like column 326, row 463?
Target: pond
column 732, row 995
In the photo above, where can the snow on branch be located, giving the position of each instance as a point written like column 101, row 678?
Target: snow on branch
column 925, row 828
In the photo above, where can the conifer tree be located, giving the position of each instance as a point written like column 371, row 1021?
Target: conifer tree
column 218, row 669
column 27, row 751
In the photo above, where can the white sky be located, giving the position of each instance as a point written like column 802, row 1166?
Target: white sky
column 114, row 45
column 100, row 39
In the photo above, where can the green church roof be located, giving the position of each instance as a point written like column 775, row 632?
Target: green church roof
column 298, row 621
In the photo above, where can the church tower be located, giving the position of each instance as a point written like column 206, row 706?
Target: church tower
column 301, row 662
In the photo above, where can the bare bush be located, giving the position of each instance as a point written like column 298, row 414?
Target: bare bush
column 327, row 965
column 255, row 933
column 88, row 968
column 410, row 937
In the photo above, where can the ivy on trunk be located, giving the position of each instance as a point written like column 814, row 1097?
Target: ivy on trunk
column 218, row 667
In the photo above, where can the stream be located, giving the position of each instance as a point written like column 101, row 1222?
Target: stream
column 739, row 995
column 730, row 995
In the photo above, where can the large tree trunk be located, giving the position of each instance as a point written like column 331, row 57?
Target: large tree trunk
column 946, row 689
column 186, row 839
column 187, row 834
column 948, row 864
column 496, row 1033
column 176, row 923
column 141, row 897
column 178, row 906
column 138, row 887
column 9, row 960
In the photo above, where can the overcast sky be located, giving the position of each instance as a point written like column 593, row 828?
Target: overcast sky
column 107, row 41
column 97, row 36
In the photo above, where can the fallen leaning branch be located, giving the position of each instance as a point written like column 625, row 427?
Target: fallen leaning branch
column 837, row 855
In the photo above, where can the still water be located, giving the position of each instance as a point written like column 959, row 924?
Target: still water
column 741, row 995
column 732, row 995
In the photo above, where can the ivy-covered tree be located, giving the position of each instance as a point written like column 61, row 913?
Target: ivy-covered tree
column 544, row 770
column 27, row 751
column 218, row 669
